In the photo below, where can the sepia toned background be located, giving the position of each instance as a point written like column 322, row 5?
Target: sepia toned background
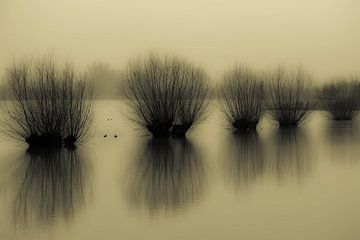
column 323, row 35
column 300, row 183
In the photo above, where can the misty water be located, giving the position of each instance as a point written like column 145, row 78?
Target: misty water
column 299, row 183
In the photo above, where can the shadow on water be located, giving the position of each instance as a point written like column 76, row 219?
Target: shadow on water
column 167, row 177
column 342, row 140
column 290, row 155
column 50, row 186
column 244, row 160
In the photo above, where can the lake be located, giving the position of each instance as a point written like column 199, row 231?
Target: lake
column 299, row 183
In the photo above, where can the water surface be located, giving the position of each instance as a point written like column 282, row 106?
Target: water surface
column 275, row 184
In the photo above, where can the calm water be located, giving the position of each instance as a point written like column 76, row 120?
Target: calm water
column 277, row 184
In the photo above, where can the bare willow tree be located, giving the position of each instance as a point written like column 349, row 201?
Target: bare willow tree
column 341, row 98
column 166, row 94
column 289, row 95
column 51, row 106
column 193, row 97
column 242, row 97
column 78, row 106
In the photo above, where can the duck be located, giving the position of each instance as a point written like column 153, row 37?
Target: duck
column 105, row 135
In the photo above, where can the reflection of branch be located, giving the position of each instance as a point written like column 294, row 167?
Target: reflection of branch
column 51, row 185
column 245, row 162
column 343, row 139
column 168, row 175
column 292, row 154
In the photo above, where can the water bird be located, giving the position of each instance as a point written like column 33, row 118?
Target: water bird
column 105, row 135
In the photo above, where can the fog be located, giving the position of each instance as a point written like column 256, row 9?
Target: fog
column 322, row 35
column 265, row 156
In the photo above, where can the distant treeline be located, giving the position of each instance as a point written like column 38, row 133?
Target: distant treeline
column 167, row 96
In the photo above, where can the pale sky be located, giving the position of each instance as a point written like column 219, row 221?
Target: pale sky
column 322, row 35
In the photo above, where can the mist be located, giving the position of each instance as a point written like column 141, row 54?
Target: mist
column 179, row 119
column 321, row 35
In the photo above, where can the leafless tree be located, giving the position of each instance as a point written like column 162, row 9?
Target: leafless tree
column 288, row 95
column 341, row 98
column 50, row 106
column 165, row 94
column 193, row 97
column 78, row 106
column 242, row 97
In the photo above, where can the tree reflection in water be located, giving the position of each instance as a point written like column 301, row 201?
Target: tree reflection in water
column 342, row 140
column 167, row 177
column 244, row 160
column 289, row 156
column 50, row 185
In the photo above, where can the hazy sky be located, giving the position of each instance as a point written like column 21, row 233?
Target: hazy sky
column 323, row 35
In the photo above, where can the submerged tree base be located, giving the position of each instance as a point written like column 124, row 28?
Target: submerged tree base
column 244, row 125
column 343, row 118
column 165, row 130
column 44, row 140
column 70, row 141
column 50, row 141
column 179, row 130
column 42, row 150
column 160, row 130
column 288, row 124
